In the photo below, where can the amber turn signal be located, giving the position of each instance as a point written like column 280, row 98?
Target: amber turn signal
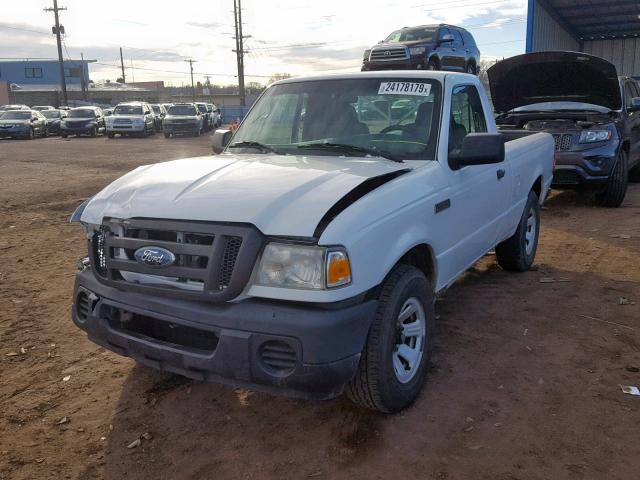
column 338, row 269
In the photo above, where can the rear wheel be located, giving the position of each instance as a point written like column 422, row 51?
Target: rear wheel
column 614, row 192
column 432, row 65
column 393, row 365
column 518, row 252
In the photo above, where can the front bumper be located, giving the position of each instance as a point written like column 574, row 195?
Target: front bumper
column 14, row 132
column 586, row 168
column 125, row 128
column 181, row 128
column 413, row 63
column 77, row 130
column 284, row 348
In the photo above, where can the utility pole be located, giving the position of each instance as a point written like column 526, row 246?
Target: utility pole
column 237, row 13
column 83, row 84
column 56, row 30
column 193, row 87
column 124, row 80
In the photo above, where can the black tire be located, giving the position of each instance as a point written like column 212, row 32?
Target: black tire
column 471, row 69
column 614, row 192
column 111, row 135
column 518, row 252
column 45, row 133
column 63, row 135
column 198, row 132
column 432, row 65
column 376, row 384
column 94, row 132
column 167, row 135
column 31, row 134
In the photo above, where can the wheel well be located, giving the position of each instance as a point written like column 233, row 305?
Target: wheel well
column 537, row 186
column 421, row 257
column 435, row 59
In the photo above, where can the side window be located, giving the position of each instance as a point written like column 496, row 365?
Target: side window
column 457, row 38
column 467, row 115
column 443, row 32
column 629, row 93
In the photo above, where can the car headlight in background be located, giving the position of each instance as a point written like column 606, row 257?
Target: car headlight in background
column 589, row 136
column 303, row 266
column 417, row 50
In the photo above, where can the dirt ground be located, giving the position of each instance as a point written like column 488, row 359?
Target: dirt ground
column 524, row 382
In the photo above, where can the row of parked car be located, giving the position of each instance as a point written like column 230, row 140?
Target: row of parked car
column 129, row 118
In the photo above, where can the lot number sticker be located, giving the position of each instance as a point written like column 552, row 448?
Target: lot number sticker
column 405, row 88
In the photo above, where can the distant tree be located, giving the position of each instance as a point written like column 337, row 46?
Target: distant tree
column 120, row 80
column 279, row 76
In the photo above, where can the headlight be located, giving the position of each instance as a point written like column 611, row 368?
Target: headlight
column 589, row 136
column 303, row 266
column 417, row 50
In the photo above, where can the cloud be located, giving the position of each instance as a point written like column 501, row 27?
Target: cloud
column 208, row 25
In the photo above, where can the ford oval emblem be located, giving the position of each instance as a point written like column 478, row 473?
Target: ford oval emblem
column 155, row 257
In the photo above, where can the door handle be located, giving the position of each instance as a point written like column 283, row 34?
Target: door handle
column 500, row 174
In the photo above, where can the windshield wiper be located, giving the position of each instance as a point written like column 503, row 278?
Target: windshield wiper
column 257, row 145
column 346, row 148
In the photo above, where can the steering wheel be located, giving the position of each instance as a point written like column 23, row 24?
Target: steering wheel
column 401, row 128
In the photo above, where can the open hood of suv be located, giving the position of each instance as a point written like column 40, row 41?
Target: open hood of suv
column 554, row 77
column 281, row 195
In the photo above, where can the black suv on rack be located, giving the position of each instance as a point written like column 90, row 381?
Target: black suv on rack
column 428, row 47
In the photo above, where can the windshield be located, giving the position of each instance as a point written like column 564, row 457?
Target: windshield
column 547, row 106
column 428, row 35
column 202, row 108
column 84, row 113
column 398, row 116
column 16, row 115
column 182, row 110
column 128, row 110
column 156, row 108
column 51, row 113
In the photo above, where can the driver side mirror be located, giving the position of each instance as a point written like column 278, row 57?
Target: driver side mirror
column 635, row 105
column 478, row 149
column 448, row 38
column 221, row 139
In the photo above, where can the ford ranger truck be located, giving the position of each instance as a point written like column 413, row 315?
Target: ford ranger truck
column 593, row 115
column 305, row 258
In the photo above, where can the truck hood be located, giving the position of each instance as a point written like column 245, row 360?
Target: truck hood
column 553, row 77
column 281, row 195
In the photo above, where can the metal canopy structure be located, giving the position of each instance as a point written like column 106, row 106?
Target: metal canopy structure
column 606, row 28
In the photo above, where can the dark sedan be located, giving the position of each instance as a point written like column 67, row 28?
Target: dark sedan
column 54, row 119
column 83, row 121
column 22, row 124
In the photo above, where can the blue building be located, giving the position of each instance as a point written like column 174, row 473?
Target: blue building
column 45, row 74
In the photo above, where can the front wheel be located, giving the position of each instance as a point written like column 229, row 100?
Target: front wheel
column 518, row 252
column 614, row 192
column 393, row 365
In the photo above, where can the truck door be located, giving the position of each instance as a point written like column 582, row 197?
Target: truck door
column 479, row 193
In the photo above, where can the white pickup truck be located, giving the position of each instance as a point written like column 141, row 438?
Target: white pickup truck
column 305, row 258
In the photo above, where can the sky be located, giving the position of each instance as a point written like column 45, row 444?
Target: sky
column 296, row 37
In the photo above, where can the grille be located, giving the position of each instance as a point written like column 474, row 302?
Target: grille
column 388, row 54
column 122, row 121
column 278, row 357
column 212, row 261
column 563, row 141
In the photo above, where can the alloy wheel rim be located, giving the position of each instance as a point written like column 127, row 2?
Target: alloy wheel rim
column 530, row 232
column 407, row 352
